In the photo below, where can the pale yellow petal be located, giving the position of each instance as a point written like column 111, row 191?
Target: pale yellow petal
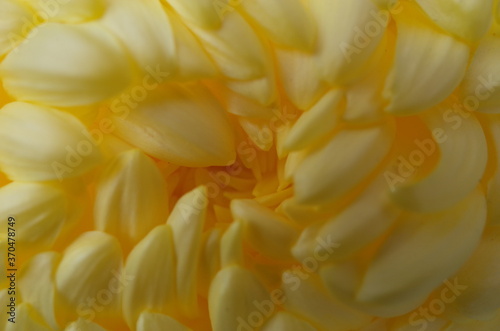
column 67, row 65
column 15, row 24
column 152, row 265
column 156, row 322
column 40, row 211
column 182, row 125
column 84, row 325
column 37, row 287
column 90, row 266
column 316, row 122
column 187, row 221
column 261, row 90
column 231, row 245
column 301, row 77
column 430, row 240
column 348, row 158
column 463, row 154
column 266, row 231
column 259, row 132
column 469, row 19
column 27, row 319
column 482, row 81
column 72, row 11
column 232, row 298
column 428, row 66
column 193, row 61
column 481, row 275
column 287, row 22
column 286, row 321
column 145, row 30
column 373, row 209
column 66, row 149
column 131, row 197
column 237, row 60
column 307, row 298
column 207, row 14
column 349, row 33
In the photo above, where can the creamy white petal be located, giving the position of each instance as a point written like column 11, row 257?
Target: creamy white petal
column 467, row 19
column 65, row 150
column 237, row 60
column 67, row 65
column 317, row 122
column 16, row 22
column 152, row 322
column 463, row 155
column 428, row 66
column 481, row 85
column 40, row 211
column 131, row 197
column 232, row 298
column 287, row 22
column 152, row 265
column 420, row 254
column 184, row 125
column 348, row 35
column 348, row 158
column 91, row 264
column 266, row 231
column 145, row 30
column 187, row 221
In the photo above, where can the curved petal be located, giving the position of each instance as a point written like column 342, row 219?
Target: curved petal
column 464, row 155
column 66, row 150
column 67, row 65
column 183, row 125
column 428, row 66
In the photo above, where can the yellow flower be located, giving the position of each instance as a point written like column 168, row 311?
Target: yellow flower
column 240, row 165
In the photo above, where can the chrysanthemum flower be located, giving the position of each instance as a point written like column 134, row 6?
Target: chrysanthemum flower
column 239, row 165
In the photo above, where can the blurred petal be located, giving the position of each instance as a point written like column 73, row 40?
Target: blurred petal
column 151, row 321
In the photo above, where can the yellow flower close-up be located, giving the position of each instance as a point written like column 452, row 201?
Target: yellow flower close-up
column 250, row 165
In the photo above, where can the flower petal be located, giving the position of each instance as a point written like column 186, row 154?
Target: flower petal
column 152, row 265
column 131, row 197
column 67, row 65
column 65, row 150
column 13, row 26
column 152, row 321
column 464, row 155
column 286, row 321
column 231, row 299
column 428, row 66
column 321, row 178
column 469, row 19
column 182, row 125
column 187, row 221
